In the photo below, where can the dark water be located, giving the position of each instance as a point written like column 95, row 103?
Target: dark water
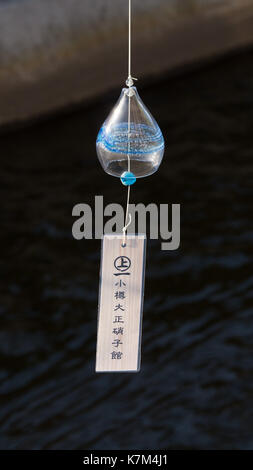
column 195, row 388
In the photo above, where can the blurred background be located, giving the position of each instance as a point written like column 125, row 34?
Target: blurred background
column 62, row 66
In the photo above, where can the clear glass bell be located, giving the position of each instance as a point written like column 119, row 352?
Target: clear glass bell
column 130, row 138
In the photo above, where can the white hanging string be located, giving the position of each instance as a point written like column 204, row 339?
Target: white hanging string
column 130, row 80
column 129, row 83
column 127, row 216
column 129, row 37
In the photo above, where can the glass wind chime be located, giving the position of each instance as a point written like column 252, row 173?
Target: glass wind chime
column 129, row 145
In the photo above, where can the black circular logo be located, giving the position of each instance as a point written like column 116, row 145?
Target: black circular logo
column 122, row 263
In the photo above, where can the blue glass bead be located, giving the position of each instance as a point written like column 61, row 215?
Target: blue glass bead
column 127, row 178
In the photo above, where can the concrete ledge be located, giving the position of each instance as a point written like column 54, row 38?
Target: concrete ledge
column 54, row 53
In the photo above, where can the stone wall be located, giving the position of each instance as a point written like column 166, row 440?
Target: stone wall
column 54, row 53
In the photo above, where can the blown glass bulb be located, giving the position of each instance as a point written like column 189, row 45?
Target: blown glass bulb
column 130, row 139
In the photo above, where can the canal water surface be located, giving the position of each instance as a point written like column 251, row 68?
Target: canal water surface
column 195, row 387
